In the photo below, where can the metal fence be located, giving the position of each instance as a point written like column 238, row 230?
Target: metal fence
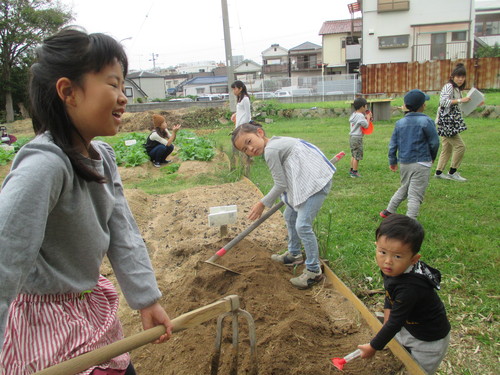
column 320, row 87
column 398, row 78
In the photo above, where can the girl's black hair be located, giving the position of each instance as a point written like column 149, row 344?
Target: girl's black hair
column 461, row 72
column 70, row 53
column 245, row 128
column 402, row 228
column 243, row 88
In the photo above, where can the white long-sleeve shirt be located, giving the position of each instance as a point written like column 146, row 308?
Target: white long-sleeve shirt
column 56, row 228
column 243, row 113
column 299, row 170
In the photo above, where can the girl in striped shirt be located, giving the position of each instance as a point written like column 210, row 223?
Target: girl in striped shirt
column 302, row 177
column 63, row 210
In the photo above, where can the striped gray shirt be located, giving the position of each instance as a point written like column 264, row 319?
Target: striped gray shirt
column 299, row 170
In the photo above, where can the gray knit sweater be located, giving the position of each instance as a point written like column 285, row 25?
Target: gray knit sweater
column 56, row 228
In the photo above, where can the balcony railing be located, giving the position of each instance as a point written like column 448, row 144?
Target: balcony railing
column 453, row 51
column 307, row 65
column 275, row 68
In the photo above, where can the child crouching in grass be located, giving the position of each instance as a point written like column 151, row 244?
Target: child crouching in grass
column 413, row 312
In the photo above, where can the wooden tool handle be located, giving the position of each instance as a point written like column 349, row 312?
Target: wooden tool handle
column 104, row 354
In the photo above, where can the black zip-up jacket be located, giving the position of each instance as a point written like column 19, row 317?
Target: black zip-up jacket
column 415, row 305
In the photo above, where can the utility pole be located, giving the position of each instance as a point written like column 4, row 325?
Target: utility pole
column 229, row 56
column 154, row 56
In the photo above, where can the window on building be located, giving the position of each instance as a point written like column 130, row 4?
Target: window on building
column 343, row 43
column 200, row 90
column 392, row 5
column 487, row 24
column 492, row 28
column 395, row 41
column 457, row 36
column 129, row 92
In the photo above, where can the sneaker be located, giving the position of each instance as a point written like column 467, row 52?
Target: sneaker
column 456, row 176
column 156, row 164
column 385, row 213
column 288, row 259
column 165, row 162
column 307, row 279
column 354, row 174
column 442, row 176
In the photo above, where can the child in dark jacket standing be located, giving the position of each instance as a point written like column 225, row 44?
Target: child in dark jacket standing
column 415, row 142
column 413, row 312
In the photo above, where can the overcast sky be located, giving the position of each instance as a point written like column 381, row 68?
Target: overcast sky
column 185, row 31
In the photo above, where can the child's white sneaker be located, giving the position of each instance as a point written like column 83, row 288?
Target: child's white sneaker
column 307, row 279
column 288, row 259
column 456, row 176
column 442, row 176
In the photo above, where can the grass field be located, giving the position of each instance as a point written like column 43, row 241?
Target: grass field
column 461, row 222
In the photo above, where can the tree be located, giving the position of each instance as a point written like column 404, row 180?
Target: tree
column 23, row 25
column 488, row 51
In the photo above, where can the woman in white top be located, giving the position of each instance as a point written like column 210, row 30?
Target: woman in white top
column 450, row 124
column 159, row 143
column 243, row 114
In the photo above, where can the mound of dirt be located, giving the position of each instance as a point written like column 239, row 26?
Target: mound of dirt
column 297, row 331
column 142, row 121
column 191, row 118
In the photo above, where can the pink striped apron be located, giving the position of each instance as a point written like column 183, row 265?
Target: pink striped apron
column 43, row 330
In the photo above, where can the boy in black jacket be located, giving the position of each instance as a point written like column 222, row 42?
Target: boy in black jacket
column 413, row 312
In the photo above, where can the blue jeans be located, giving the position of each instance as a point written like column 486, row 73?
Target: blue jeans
column 160, row 152
column 300, row 227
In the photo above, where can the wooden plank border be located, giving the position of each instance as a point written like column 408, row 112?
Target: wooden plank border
column 411, row 365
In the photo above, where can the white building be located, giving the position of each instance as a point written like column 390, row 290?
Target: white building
column 196, row 67
column 488, row 21
column 416, row 30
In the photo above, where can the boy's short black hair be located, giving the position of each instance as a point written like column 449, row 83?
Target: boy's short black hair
column 402, row 228
column 359, row 102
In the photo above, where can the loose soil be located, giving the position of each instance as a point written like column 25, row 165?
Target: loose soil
column 297, row 331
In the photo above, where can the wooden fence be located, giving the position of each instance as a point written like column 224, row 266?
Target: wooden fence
column 398, row 78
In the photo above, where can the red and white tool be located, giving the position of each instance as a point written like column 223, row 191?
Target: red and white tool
column 340, row 362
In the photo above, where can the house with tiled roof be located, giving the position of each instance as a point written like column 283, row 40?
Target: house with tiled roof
column 205, row 85
column 275, row 62
column 248, row 71
column 151, row 84
column 341, row 48
column 305, row 60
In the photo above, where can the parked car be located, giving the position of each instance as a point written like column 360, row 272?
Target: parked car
column 263, row 95
column 224, row 96
column 181, row 100
column 282, row 94
column 171, row 91
column 208, row 98
column 301, row 92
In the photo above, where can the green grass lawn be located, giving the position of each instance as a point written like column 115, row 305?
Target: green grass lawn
column 461, row 222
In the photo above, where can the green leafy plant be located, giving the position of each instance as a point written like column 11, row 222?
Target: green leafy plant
column 133, row 155
column 6, row 156
column 192, row 147
column 20, row 143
